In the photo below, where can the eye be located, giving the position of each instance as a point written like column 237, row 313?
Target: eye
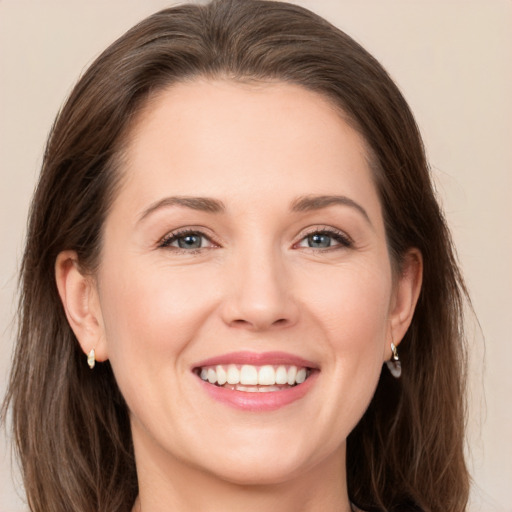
column 187, row 241
column 325, row 239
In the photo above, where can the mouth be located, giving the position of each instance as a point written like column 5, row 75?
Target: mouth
column 250, row 378
column 257, row 382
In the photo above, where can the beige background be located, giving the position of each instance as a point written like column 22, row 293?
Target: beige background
column 452, row 59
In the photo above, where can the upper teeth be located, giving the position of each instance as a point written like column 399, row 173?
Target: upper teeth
column 250, row 375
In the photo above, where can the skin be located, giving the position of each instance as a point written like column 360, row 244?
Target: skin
column 255, row 285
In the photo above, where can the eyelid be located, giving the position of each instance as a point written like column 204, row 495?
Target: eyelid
column 171, row 236
column 343, row 239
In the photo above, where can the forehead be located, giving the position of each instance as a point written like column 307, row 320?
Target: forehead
column 223, row 138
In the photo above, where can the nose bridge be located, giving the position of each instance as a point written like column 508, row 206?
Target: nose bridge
column 259, row 294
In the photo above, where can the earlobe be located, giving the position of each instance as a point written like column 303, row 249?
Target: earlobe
column 407, row 291
column 79, row 296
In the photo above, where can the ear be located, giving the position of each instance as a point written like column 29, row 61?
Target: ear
column 406, row 293
column 79, row 295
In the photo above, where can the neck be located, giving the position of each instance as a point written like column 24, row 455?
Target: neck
column 172, row 485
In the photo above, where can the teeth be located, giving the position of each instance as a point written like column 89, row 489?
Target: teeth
column 301, row 376
column 222, row 376
column 281, row 375
column 249, row 377
column 292, row 373
column 255, row 389
column 233, row 374
column 267, row 376
column 212, row 376
column 252, row 389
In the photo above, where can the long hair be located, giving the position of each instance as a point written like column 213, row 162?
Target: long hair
column 70, row 425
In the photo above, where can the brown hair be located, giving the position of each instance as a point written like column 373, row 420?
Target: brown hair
column 71, row 425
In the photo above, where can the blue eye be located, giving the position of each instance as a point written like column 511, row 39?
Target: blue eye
column 191, row 241
column 187, row 241
column 319, row 240
column 325, row 239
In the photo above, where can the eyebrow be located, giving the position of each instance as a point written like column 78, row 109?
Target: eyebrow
column 204, row 204
column 301, row 204
column 314, row 202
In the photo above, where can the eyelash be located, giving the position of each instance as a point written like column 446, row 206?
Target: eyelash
column 344, row 241
column 340, row 237
column 170, row 238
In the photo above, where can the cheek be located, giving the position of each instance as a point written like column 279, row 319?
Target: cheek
column 354, row 314
column 151, row 314
column 352, row 311
column 354, row 305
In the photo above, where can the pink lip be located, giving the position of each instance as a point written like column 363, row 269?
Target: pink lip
column 259, row 402
column 258, row 359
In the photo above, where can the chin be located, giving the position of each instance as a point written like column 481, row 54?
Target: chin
column 263, row 465
column 262, row 473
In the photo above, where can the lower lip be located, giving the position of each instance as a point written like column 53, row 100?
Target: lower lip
column 259, row 401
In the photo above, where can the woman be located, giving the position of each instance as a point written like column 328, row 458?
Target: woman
column 234, row 228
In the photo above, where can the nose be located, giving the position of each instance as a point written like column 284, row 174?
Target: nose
column 259, row 293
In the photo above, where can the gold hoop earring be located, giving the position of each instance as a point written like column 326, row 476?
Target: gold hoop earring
column 91, row 358
column 394, row 364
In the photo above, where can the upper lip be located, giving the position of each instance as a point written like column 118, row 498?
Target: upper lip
column 257, row 359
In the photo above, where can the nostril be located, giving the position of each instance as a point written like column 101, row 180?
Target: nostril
column 240, row 322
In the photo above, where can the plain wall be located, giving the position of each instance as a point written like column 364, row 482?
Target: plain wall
column 452, row 60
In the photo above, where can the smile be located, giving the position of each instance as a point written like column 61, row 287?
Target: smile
column 251, row 378
column 256, row 382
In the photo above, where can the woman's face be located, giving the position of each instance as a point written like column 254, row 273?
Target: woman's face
column 246, row 242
